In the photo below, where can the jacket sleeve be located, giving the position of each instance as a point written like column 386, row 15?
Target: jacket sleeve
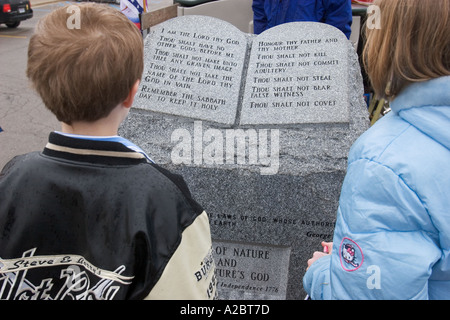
column 385, row 244
column 259, row 16
column 316, row 281
column 189, row 275
column 338, row 13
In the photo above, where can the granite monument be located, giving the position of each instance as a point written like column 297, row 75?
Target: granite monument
column 260, row 128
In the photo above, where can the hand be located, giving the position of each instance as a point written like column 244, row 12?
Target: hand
column 327, row 248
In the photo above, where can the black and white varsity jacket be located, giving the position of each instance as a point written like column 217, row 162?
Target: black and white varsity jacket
column 88, row 219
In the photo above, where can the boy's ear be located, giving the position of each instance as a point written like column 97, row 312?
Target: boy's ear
column 129, row 100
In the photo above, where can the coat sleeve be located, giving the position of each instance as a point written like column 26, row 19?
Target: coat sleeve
column 316, row 281
column 259, row 16
column 338, row 13
column 384, row 245
column 189, row 275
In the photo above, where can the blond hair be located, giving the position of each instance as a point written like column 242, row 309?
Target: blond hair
column 82, row 73
column 411, row 45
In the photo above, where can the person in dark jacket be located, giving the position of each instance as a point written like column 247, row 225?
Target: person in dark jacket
column 270, row 13
column 92, row 216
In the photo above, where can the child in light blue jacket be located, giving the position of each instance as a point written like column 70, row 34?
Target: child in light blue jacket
column 392, row 235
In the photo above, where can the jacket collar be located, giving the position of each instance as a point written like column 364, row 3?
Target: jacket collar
column 100, row 150
column 426, row 106
column 434, row 92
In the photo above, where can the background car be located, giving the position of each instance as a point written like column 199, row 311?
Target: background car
column 12, row 12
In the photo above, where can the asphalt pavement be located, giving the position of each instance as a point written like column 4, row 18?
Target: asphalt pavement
column 36, row 3
column 25, row 123
column 24, row 120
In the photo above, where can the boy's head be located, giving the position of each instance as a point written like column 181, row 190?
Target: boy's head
column 83, row 63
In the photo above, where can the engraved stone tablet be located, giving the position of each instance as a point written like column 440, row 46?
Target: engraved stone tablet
column 193, row 68
column 245, row 271
column 297, row 76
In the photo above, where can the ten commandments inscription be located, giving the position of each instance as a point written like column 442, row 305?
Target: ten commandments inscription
column 193, row 74
column 292, row 75
column 297, row 76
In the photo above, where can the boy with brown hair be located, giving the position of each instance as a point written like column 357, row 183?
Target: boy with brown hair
column 92, row 217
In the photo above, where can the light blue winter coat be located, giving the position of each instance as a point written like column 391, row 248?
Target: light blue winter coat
column 392, row 235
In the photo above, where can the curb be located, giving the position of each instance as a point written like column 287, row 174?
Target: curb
column 37, row 3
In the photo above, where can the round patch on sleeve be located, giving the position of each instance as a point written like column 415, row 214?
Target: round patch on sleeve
column 350, row 254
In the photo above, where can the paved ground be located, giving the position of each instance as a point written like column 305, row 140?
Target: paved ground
column 24, row 121
column 23, row 118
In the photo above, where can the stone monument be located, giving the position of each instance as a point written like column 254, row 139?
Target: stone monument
column 260, row 127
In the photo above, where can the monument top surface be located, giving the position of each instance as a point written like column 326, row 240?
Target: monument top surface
column 205, row 68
